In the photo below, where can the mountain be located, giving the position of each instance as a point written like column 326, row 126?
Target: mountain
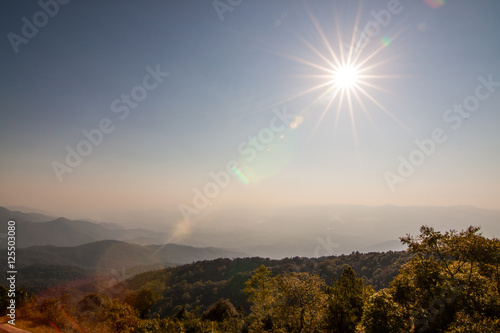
column 26, row 209
column 34, row 229
column 37, row 278
column 86, row 266
column 104, row 256
column 311, row 231
column 203, row 283
column 64, row 232
column 98, row 267
column 22, row 216
column 306, row 231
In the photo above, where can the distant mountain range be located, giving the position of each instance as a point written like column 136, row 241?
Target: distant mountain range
column 311, row 231
column 23, row 216
column 103, row 256
column 34, row 229
column 62, row 250
column 77, row 254
column 308, row 231
column 62, row 253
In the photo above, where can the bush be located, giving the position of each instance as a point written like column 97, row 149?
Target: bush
column 219, row 311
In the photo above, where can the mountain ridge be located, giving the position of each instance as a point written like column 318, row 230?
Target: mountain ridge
column 106, row 255
column 33, row 229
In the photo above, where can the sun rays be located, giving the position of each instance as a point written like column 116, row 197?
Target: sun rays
column 346, row 73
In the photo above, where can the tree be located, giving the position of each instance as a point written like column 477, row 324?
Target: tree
column 468, row 324
column 142, row 301
column 54, row 311
column 382, row 315
column 451, row 273
column 292, row 302
column 345, row 302
column 22, row 297
column 99, row 310
column 219, row 311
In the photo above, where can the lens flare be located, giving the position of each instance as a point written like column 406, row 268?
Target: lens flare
column 435, row 3
column 240, row 175
column 181, row 230
column 295, row 124
column 259, row 161
column 386, row 41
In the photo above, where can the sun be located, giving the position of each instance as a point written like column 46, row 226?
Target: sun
column 345, row 70
column 346, row 77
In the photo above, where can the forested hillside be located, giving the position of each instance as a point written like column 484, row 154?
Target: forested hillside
column 446, row 282
column 203, row 283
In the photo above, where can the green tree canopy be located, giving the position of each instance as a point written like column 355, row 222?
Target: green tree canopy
column 286, row 303
column 347, row 297
column 453, row 279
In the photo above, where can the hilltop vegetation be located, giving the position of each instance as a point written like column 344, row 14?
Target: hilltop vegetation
column 203, row 283
column 446, row 282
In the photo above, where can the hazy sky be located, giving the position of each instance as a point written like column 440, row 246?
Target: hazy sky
column 103, row 65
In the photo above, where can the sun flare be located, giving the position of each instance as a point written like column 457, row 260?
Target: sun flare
column 345, row 77
column 346, row 71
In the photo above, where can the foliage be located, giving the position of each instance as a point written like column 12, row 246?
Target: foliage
column 453, row 272
column 220, row 311
column 446, row 283
column 452, row 280
column 382, row 315
column 346, row 300
column 22, row 296
column 98, row 309
column 54, row 311
column 290, row 302
column 203, row 283
column 472, row 324
column 142, row 301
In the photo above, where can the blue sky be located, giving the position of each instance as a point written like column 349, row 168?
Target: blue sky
column 224, row 79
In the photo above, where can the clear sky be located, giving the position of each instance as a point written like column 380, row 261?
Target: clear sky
column 101, row 67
